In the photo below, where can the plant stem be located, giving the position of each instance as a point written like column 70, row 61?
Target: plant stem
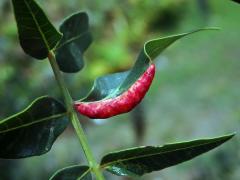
column 73, row 117
column 60, row 81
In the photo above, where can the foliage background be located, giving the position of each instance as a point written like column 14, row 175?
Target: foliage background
column 195, row 92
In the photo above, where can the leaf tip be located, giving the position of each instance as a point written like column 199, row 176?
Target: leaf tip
column 231, row 135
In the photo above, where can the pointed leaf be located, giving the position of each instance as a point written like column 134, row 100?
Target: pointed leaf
column 36, row 33
column 141, row 160
column 76, row 39
column 113, row 85
column 73, row 173
column 32, row 131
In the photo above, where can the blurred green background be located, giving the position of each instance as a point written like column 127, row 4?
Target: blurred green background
column 195, row 93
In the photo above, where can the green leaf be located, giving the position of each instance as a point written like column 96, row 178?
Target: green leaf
column 76, row 39
column 36, row 33
column 113, row 85
column 73, row 173
column 141, row 160
column 32, row 131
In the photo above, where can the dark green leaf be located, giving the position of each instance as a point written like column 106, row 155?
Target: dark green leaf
column 115, row 84
column 32, row 131
column 73, row 173
column 237, row 1
column 141, row 160
column 36, row 34
column 76, row 39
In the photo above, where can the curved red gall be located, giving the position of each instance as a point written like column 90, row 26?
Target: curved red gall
column 121, row 104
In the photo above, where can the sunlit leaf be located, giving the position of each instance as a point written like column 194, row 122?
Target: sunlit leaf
column 73, row 173
column 32, row 131
column 36, row 33
column 76, row 39
column 141, row 160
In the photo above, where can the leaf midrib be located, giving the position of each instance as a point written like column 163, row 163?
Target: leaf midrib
column 143, row 156
column 37, row 24
column 72, row 40
column 35, row 122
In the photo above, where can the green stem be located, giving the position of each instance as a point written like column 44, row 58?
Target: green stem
column 74, row 119
column 67, row 98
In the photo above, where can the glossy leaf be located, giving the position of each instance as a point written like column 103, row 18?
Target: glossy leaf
column 76, row 39
column 32, row 131
column 141, row 160
column 73, row 173
column 36, row 33
column 113, row 85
